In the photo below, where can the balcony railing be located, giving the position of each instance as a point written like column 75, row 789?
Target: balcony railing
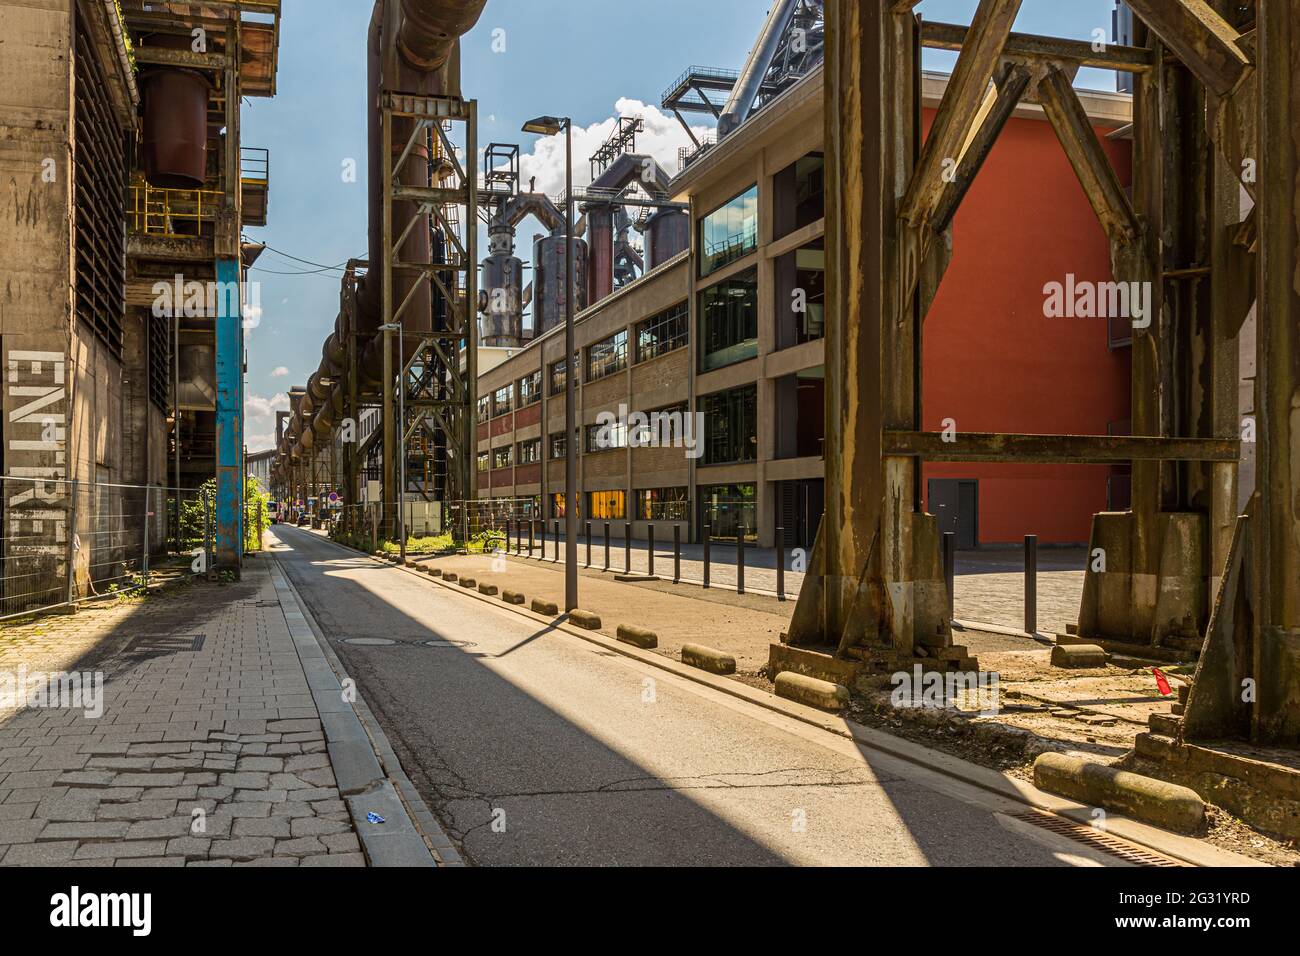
column 171, row 213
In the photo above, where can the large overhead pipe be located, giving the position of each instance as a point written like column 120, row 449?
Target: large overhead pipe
column 411, row 48
column 747, row 88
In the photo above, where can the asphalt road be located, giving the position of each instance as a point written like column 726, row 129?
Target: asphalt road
column 535, row 747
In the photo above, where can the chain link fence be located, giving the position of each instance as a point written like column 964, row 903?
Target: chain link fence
column 65, row 542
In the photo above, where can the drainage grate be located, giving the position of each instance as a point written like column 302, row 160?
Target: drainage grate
column 160, row 645
column 1080, row 833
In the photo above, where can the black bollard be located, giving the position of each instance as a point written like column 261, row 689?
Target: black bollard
column 627, row 549
column 677, row 554
column 606, row 545
column 588, row 527
column 1031, row 583
column 708, row 536
column 740, row 560
column 780, row 564
column 650, row 549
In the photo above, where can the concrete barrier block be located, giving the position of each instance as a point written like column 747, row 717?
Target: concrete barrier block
column 549, row 608
column 468, row 583
column 637, row 636
column 587, row 620
column 1147, row 799
column 489, row 589
column 450, row 576
column 512, row 597
column 1078, row 655
column 433, row 572
column 811, row 691
column 708, row 659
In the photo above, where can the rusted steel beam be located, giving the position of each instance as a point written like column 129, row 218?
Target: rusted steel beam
column 959, row 108
column 1277, row 382
column 1011, row 86
column 1056, row 449
column 1198, row 36
column 1070, row 120
column 1029, row 48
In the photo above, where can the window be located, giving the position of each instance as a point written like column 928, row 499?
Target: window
column 800, row 282
column 663, row 333
column 667, row 427
column 731, row 425
column 530, row 389
column 606, row 437
column 729, row 321
column 558, row 372
column 484, row 409
column 503, row 457
column 729, row 233
column 663, row 504
column 607, row 357
column 558, row 445
column 503, row 402
column 484, row 461
column 530, row 452
column 557, row 506
column 799, row 195
column 729, row 510
column 607, row 505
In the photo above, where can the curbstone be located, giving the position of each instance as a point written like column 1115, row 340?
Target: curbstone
column 1078, row 655
column 512, row 597
column 803, row 689
column 1143, row 798
column 434, row 572
column 489, row 589
column 468, row 583
column 708, row 659
column 641, row 637
column 449, row 576
column 587, row 620
column 549, row 608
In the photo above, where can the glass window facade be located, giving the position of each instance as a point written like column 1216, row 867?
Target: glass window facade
column 729, row 233
column 800, row 283
column 663, row 333
column 663, row 504
column 558, row 445
column 557, row 506
column 484, row 409
column 730, row 425
column 558, row 371
column 607, row 357
column 607, row 505
column 484, row 461
column 799, row 195
column 729, row 321
column 503, row 457
column 606, row 437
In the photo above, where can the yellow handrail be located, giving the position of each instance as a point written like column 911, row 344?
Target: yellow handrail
column 163, row 212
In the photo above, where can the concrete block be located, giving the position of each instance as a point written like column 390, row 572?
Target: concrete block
column 489, row 589
column 587, row 620
column 708, row 659
column 433, row 572
column 1078, row 655
column 468, row 583
column 512, row 597
column 811, row 691
column 1143, row 798
column 450, row 576
column 637, row 636
column 549, row 608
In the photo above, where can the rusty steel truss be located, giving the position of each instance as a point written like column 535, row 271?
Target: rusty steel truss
column 1210, row 223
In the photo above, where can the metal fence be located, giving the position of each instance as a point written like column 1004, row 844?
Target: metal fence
column 65, row 542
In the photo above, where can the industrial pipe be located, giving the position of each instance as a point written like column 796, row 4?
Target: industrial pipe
column 745, row 93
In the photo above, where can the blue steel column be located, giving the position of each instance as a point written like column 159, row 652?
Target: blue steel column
column 230, row 417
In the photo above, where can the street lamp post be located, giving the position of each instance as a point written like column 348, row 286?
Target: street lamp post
column 551, row 126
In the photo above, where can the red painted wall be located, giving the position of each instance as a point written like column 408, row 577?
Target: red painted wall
column 994, row 362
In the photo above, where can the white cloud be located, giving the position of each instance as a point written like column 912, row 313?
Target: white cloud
column 259, row 420
column 662, row 138
column 279, row 372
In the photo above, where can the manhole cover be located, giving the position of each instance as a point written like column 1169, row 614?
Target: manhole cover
column 369, row 642
column 449, row 644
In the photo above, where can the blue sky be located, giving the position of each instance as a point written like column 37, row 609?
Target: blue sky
column 582, row 58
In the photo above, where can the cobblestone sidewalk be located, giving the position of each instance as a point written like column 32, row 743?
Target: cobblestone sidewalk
column 209, row 750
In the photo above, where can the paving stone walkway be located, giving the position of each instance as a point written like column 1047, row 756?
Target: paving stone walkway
column 209, row 750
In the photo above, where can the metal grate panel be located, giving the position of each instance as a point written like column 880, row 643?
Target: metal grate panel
column 1097, row 839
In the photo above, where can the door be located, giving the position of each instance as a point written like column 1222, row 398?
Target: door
column 955, row 504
